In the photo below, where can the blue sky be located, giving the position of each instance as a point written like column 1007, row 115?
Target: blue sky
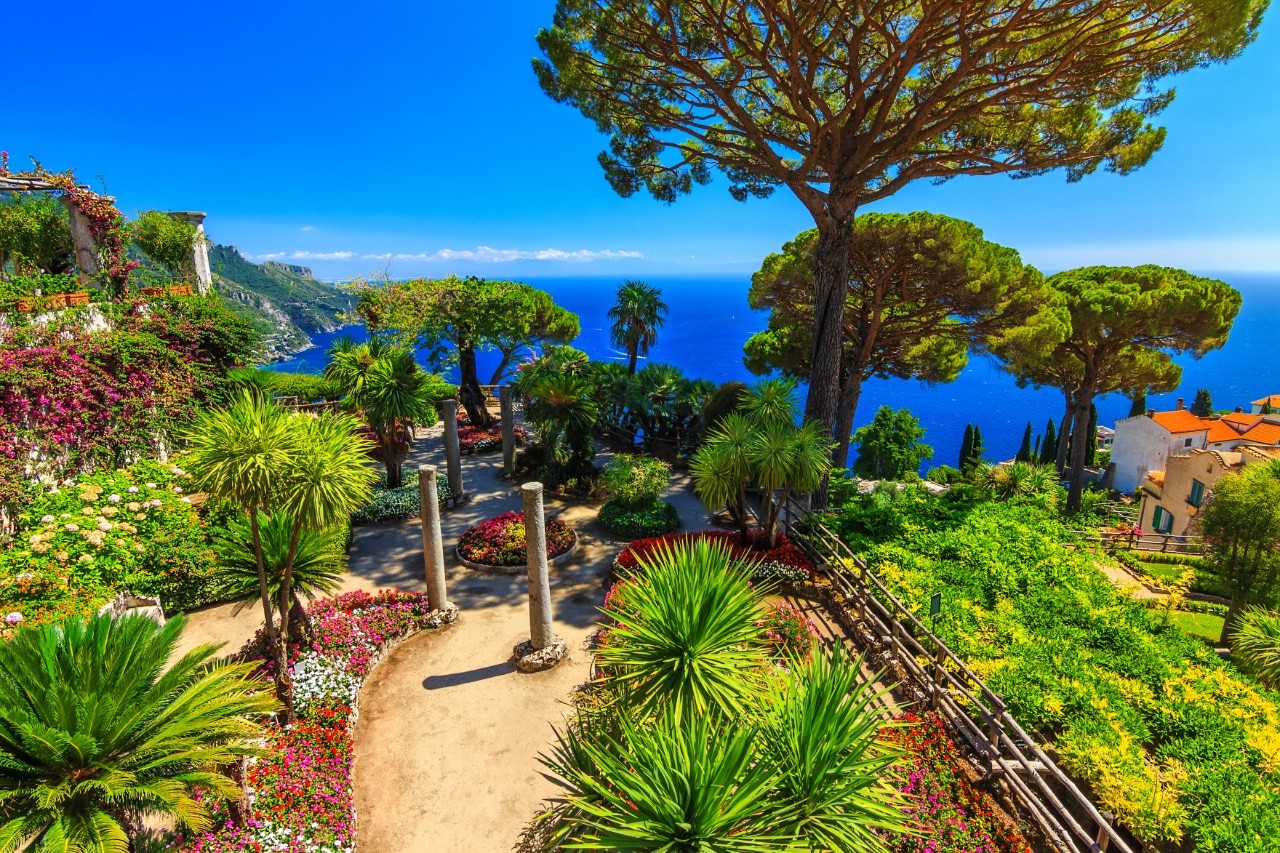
column 328, row 134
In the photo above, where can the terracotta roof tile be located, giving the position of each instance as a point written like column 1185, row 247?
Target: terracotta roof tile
column 1180, row 420
column 1264, row 433
column 1272, row 400
column 1218, row 431
column 1245, row 420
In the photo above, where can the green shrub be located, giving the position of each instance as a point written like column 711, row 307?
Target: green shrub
column 304, row 386
column 944, row 474
column 396, row 504
column 658, row 518
column 635, row 481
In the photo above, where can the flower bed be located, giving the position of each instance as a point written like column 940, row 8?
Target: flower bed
column 300, row 789
column 784, row 562
column 790, row 634
column 500, row 541
column 656, row 520
column 950, row 814
column 473, row 439
column 396, row 504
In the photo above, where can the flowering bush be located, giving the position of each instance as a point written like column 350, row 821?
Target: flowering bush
column 950, row 814
column 132, row 529
column 395, row 504
column 479, row 439
column 790, row 633
column 301, row 798
column 785, row 562
column 500, row 541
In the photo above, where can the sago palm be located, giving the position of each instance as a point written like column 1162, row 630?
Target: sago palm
column 1256, row 644
column 564, row 413
column 100, row 726
column 637, row 315
column 686, row 633
column 673, row 784
column 822, row 738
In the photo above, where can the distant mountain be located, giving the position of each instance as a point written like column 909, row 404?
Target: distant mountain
column 286, row 302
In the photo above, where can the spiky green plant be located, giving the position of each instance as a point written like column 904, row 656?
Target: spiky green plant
column 835, row 779
column 686, row 634
column 1256, row 644
column 98, row 728
column 319, row 559
column 674, row 784
column 563, row 411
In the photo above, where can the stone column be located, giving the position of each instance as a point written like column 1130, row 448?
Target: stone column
column 507, row 406
column 535, row 533
column 83, row 243
column 452, row 448
column 199, row 252
column 432, row 540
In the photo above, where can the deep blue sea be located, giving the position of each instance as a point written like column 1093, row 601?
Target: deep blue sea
column 709, row 320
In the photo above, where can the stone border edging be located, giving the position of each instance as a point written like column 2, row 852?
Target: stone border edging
column 522, row 568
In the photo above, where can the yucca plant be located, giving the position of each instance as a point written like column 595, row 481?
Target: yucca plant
column 1256, row 644
column 100, row 725
column 686, row 633
column 834, row 773
column 673, row 784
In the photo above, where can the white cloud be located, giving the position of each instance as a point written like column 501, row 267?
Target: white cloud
column 488, row 254
column 321, row 256
column 1206, row 254
column 307, row 228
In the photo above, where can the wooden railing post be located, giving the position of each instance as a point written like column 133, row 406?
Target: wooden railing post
column 1104, row 836
column 994, row 731
column 938, row 674
column 863, row 591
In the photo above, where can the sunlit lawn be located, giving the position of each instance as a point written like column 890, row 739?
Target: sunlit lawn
column 1205, row 626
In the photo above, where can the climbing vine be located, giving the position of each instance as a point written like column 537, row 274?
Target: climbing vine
column 106, row 223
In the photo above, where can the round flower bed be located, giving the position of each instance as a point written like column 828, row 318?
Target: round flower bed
column 654, row 520
column 473, row 439
column 783, row 563
column 499, row 544
column 300, row 789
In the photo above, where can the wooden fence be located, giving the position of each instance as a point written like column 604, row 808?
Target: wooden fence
column 1164, row 543
column 931, row 673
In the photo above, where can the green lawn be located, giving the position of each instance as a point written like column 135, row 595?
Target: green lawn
column 1205, row 580
column 1204, row 626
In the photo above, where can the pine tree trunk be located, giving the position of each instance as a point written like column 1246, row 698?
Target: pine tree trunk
column 1079, row 450
column 850, row 391
column 830, row 287
column 469, row 393
column 1064, row 441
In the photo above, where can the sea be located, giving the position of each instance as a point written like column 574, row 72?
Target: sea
column 709, row 320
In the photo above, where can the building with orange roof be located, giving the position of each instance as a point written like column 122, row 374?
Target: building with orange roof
column 1172, row 497
column 1271, row 401
column 1145, row 443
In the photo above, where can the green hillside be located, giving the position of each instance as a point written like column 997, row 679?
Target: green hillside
column 288, row 304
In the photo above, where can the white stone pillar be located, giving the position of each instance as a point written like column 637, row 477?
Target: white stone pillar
column 507, row 407
column 535, row 533
column 432, row 540
column 452, row 448
column 85, row 247
column 199, row 252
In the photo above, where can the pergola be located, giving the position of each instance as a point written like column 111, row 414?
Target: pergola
column 86, row 247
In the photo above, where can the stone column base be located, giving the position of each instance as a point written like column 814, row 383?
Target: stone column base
column 529, row 659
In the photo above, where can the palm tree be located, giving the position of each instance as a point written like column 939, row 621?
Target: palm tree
column 387, row 386
column 318, row 561
column 1256, row 644
column 637, row 315
column 686, row 633
column 761, row 446
column 260, row 458
column 101, row 725
column 563, row 411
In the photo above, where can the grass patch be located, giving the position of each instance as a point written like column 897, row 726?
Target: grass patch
column 1202, row 626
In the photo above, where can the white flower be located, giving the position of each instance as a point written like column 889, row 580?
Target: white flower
column 115, row 499
column 151, row 485
column 177, row 489
column 14, row 618
column 48, row 519
column 133, row 490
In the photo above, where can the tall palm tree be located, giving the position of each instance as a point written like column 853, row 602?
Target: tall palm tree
column 386, row 385
column 263, row 459
column 98, row 729
column 637, row 315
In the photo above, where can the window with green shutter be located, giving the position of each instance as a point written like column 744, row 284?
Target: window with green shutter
column 1197, row 493
column 1162, row 520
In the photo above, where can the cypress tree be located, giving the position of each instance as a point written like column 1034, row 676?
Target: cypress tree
column 977, row 451
column 1139, row 404
column 1093, row 435
column 1203, row 405
column 1024, row 450
column 966, row 448
column 1035, row 451
column 1049, row 448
